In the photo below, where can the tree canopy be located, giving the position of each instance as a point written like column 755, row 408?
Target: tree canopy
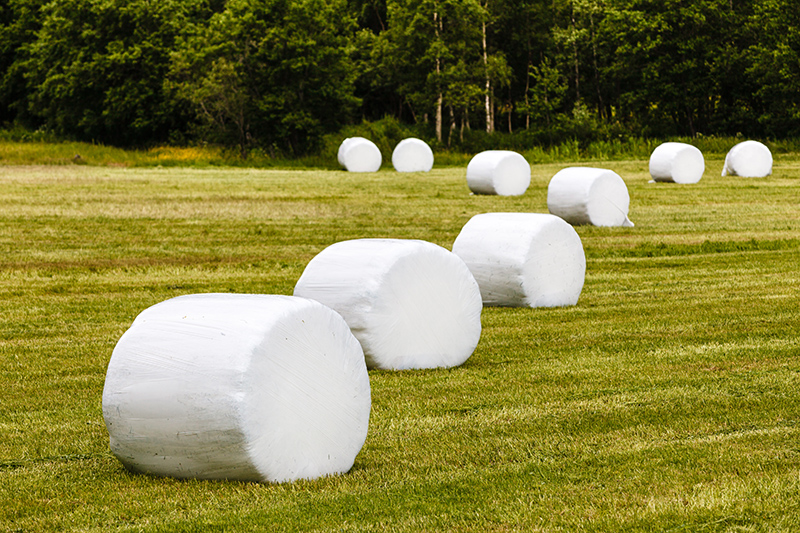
column 279, row 74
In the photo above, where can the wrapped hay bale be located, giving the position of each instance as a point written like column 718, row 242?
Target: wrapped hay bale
column 358, row 154
column 523, row 259
column 584, row 195
column 411, row 303
column 748, row 159
column 236, row 386
column 677, row 163
column 499, row 172
column 412, row 155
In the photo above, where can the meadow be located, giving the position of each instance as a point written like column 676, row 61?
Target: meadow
column 666, row 400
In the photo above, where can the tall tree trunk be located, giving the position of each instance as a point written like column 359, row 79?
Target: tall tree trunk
column 527, row 88
column 575, row 55
column 528, row 73
column 510, row 111
column 488, row 98
column 452, row 125
column 492, row 107
column 439, row 118
column 600, row 106
column 439, row 99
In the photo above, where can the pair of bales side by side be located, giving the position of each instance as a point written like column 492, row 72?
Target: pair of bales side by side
column 578, row 195
column 683, row 163
column 357, row 154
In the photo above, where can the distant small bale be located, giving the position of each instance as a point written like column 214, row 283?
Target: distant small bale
column 412, row 304
column 523, row 259
column 412, row 155
column 585, row 195
column 748, row 159
column 677, row 163
column 357, row 154
column 500, row 172
column 237, row 386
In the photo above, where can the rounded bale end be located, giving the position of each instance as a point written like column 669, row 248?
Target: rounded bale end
column 357, row 154
column 748, row 159
column 500, row 172
column 411, row 304
column 585, row 195
column 523, row 259
column 412, row 155
column 677, row 163
column 242, row 387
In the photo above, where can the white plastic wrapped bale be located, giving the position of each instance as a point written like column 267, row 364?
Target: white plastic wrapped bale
column 357, row 154
column 677, row 163
column 412, row 155
column 242, row 387
column 500, row 172
column 585, row 195
column 411, row 303
column 523, row 259
column 748, row 159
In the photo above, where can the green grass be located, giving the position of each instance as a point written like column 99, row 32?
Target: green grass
column 23, row 148
column 666, row 400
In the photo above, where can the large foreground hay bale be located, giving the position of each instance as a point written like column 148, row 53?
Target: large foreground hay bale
column 412, row 155
column 748, row 159
column 523, row 259
column 411, row 303
column 358, row 154
column 677, row 163
column 584, row 195
column 232, row 386
column 499, row 172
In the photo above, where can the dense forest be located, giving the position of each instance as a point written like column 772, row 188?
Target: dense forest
column 279, row 74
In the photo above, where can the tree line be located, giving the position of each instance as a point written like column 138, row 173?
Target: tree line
column 280, row 74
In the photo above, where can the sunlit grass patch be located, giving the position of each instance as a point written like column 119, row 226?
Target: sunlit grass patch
column 665, row 400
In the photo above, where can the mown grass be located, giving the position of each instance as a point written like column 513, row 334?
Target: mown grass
column 666, row 400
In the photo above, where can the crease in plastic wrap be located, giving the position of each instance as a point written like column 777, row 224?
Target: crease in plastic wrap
column 242, row 387
column 748, row 159
column 500, row 172
column 412, row 155
column 523, row 259
column 357, row 154
column 585, row 195
column 677, row 163
column 411, row 303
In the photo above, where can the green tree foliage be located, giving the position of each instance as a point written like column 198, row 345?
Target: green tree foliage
column 775, row 67
column 546, row 93
column 276, row 73
column 279, row 74
column 667, row 51
column 436, row 55
column 96, row 69
column 19, row 24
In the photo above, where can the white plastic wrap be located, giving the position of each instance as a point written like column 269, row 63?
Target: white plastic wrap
column 677, row 163
column 499, row 172
column 411, row 303
column 235, row 386
column 584, row 195
column 412, row 155
column 358, row 154
column 748, row 159
column 523, row 259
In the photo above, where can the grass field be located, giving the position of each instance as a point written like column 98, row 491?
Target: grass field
column 666, row 400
